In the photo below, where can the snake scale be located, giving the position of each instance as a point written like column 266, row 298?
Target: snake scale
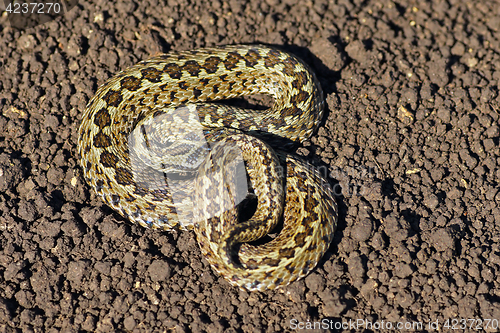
column 156, row 151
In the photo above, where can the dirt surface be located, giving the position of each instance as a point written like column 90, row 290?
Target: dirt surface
column 411, row 136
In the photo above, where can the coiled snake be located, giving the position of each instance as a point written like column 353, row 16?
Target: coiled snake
column 161, row 156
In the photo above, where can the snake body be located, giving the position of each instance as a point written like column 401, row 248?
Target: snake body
column 159, row 154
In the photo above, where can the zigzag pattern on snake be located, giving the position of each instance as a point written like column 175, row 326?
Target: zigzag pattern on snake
column 160, row 155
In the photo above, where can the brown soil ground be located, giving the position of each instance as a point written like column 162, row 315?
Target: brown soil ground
column 411, row 136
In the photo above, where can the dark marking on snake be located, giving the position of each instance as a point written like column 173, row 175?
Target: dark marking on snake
column 231, row 60
column 300, row 237
column 173, row 70
column 287, row 252
column 270, row 262
column 115, row 199
column 151, row 74
column 192, row 67
column 108, row 159
column 252, row 58
column 124, row 176
column 102, row 140
column 211, row 64
column 130, row 83
column 113, row 98
column 196, row 92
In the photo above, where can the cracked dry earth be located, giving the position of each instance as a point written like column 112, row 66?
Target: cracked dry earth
column 410, row 143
